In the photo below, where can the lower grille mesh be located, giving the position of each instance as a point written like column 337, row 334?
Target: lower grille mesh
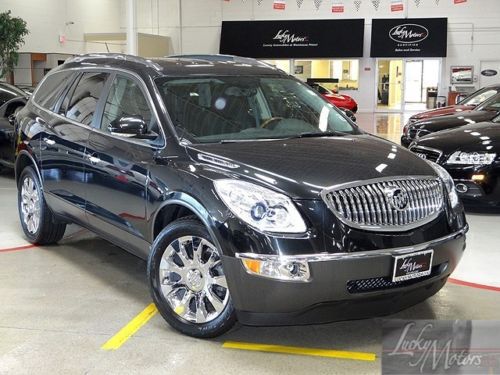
column 384, row 283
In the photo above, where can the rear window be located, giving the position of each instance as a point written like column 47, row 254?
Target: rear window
column 8, row 92
column 51, row 89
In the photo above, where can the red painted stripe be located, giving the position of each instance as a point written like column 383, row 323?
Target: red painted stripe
column 17, row 248
column 474, row 285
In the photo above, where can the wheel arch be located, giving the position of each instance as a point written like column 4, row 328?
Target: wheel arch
column 180, row 204
column 23, row 160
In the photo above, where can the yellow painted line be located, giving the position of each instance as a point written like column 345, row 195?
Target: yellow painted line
column 359, row 356
column 132, row 327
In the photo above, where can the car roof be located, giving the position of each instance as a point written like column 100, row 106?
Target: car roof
column 180, row 65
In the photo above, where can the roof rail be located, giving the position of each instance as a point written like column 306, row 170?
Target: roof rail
column 219, row 58
column 118, row 56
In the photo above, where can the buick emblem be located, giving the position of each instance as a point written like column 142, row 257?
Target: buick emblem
column 397, row 197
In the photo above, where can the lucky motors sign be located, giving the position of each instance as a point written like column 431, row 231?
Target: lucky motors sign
column 409, row 37
column 293, row 38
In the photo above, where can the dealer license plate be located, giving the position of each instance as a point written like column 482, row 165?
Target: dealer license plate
column 412, row 266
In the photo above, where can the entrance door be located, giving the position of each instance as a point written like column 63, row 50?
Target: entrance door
column 421, row 76
column 413, row 81
column 389, row 85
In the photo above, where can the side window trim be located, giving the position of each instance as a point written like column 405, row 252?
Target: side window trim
column 99, row 110
column 68, row 91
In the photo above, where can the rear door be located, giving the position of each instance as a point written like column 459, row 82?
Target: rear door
column 63, row 145
column 117, row 167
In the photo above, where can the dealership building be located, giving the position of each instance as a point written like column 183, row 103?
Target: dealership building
column 249, row 186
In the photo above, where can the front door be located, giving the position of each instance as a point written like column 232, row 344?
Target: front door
column 117, row 167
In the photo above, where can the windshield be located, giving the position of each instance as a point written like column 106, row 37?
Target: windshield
column 479, row 97
column 229, row 108
column 492, row 104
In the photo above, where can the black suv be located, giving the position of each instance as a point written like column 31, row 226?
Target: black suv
column 251, row 197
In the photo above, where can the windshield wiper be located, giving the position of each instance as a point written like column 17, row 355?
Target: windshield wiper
column 330, row 133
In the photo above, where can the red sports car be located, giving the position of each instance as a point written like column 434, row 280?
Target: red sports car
column 341, row 101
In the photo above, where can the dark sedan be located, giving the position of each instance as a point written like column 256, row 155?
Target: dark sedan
column 12, row 99
column 484, row 112
column 471, row 154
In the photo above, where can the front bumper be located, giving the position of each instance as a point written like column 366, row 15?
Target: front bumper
column 342, row 287
column 485, row 192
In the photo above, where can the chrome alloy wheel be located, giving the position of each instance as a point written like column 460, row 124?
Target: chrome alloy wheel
column 192, row 280
column 30, row 205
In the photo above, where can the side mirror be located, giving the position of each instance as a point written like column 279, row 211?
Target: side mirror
column 459, row 98
column 128, row 126
column 349, row 113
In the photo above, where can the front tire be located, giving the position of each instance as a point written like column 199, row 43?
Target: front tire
column 187, row 281
column 39, row 224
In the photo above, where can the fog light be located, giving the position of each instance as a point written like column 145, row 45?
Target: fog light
column 276, row 267
column 461, row 188
column 478, row 177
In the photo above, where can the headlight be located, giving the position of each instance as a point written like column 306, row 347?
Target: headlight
column 259, row 207
column 471, row 158
column 448, row 183
column 276, row 267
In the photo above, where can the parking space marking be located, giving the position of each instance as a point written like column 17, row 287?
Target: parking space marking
column 17, row 248
column 474, row 285
column 339, row 354
column 131, row 328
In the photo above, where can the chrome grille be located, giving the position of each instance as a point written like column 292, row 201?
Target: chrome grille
column 427, row 153
column 392, row 204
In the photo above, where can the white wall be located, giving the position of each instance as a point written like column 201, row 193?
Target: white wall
column 47, row 20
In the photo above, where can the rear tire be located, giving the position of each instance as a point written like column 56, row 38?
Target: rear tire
column 39, row 224
column 187, row 281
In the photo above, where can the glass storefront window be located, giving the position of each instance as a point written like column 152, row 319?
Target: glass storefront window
column 347, row 72
column 280, row 64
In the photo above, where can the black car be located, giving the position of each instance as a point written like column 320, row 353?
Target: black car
column 471, row 154
column 12, row 99
column 483, row 112
column 251, row 197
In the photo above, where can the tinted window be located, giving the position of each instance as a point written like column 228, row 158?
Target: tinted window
column 492, row 104
column 84, row 99
column 206, row 109
column 51, row 89
column 8, row 92
column 126, row 99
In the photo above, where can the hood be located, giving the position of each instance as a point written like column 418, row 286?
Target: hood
column 302, row 167
column 449, row 110
column 467, row 138
column 453, row 121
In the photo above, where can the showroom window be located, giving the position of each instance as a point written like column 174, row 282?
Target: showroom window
column 344, row 74
column 84, row 100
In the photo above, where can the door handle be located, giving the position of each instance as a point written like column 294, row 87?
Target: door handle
column 94, row 160
column 49, row 141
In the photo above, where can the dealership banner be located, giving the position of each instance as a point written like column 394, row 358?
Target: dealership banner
column 409, row 37
column 293, row 38
column 279, row 4
column 338, row 6
column 397, row 6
